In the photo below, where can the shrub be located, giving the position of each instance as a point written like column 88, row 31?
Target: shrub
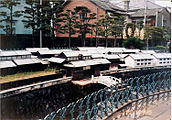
column 133, row 43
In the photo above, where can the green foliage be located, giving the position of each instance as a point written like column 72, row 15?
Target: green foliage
column 30, row 18
column 140, row 24
column 110, row 25
column 49, row 12
column 133, row 43
column 154, row 35
column 9, row 14
column 166, row 34
column 157, row 35
column 83, row 22
column 161, row 47
column 69, row 18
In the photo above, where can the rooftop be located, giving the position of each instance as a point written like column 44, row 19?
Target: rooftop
column 149, row 12
column 137, row 4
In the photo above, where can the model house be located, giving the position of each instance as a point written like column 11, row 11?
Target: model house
column 139, row 60
column 162, row 59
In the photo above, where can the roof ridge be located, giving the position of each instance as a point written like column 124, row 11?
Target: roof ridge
column 154, row 3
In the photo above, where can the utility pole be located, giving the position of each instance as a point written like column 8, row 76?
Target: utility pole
column 162, row 20
column 40, row 24
column 156, row 22
column 145, row 13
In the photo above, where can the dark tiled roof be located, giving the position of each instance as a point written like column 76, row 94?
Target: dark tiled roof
column 106, row 5
column 137, row 4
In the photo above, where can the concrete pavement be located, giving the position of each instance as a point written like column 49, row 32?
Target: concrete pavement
column 153, row 108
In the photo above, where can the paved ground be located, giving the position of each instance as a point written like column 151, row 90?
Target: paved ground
column 158, row 109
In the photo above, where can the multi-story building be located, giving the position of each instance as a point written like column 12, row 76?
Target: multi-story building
column 138, row 10
column 100, row 7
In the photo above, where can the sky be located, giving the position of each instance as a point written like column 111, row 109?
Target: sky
column 164, row 3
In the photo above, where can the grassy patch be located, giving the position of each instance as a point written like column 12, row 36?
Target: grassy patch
column 26, row 75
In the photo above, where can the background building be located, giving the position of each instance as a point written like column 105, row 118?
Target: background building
column 18, row 25
column 100, row 7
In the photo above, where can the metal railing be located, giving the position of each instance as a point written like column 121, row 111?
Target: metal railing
column 100, row 103
column 133, row 69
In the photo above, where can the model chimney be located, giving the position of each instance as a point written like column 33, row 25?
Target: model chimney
column 126, row 4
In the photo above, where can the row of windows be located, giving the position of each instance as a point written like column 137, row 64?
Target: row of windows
column 114, row 53
column 165, row 59
column 72, row 58
column 87, row 68
column 79, row 58
column 15, row 57
column 164, row 62
column 144, row 63
column 144, row 59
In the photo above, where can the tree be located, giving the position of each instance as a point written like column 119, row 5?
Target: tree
column 51, row 15
column 147, row 35
column 9, row 14
column 133, row 43
column 47, row 18
column 111, row 25
column 104, row 29
column 116, row 26
column 69, row 26
column 83, row 24
column 157, row 36
column 30, row 18
column 166, row 34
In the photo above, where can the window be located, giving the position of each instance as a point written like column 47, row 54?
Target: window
column 142, row 59
column 149, row 59
column 3, row 58
column 164, row 62
column 86, row 68
column 24, row 56
column 168, row 58
column 138, row 60
column 168, row 62
column 145, row 59
column 138, row 63
column 141, row 63
column 161, row 59
column 149, row 63
column 145, row 63
column 82, row 16
column 164, row 58
column 160, row 62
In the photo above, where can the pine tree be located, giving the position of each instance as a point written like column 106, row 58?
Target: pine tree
column 50, row 16
column 8, row 14
column 44, row 20
column 104, row 27
column 69, row 26
column 117, row 26
column 55, row 17
column 83, row 23
column 30, row 18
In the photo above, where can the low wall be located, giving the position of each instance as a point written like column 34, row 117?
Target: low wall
column 29, row 81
